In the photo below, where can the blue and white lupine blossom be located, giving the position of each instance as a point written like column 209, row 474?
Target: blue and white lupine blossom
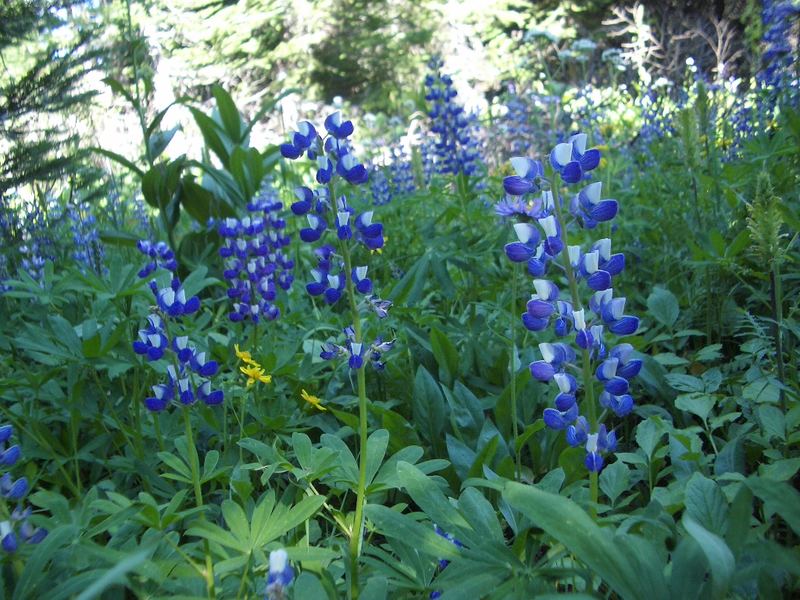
column 256, row 264
column 455, row 147
column 14, row 526
column 345, row 234
column 160, row 255
column 544, row 216
column 188, row 371
column 280, row 575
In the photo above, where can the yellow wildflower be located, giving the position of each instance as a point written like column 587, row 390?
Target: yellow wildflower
column 244, row 355
column 255, row 373
column 312, row 400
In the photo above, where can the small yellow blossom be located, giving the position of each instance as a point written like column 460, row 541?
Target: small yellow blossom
column 244, row 355
column 255, row 373
column 312, row 400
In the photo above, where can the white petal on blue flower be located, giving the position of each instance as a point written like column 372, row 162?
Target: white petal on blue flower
column 574, row 254
column 563, row 382
column 591, row 443
column 548, row 352
column 562, row 153
column 592, row 192
column 591, row 261
column 579, row 142
column 361, row 272
column 548, row 224
column 524, row 231
column 547, row 200
column 580, row 320
column 544, row 288
column 603, row 246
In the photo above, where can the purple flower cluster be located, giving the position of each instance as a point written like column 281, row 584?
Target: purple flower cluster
column 455, row 148
column 327, row 214
column 542, row 242
column 255, row 262
column 16, row 525
column 188, row 370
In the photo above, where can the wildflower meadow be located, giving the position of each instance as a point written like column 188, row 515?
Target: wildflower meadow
column 399, row 300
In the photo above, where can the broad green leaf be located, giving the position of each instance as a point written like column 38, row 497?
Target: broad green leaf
column 696, row 403
column 236, row 520
column 648, row 434
column 778, row 497
column 719, row 556
column 687, row 579
column 428, row 407
column 115, row 575
column 663, row 306
column 772, row 421
column 614, row 479
column 377, row 443
column 601, row 551
column 445, row 353
column 706, row 504
column 685, row 383
column 402, row 527
column 308, row 586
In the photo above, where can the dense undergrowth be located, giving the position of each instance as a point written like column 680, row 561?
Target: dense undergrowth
column 425, row 370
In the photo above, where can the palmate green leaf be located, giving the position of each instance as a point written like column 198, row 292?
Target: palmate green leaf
column 264, row 529
column 394, row 524
column 218, row 535
column 377, row 443
column 428, row 407
column 29, row 585
column 236, row 520
column 627, row 571
column 719, row 556
column 115, row 575
column 445, row 353
column 308, row 586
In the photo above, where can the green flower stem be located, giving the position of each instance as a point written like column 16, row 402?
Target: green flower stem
column 357, row 530
column 588, row 383
column 514, row 427
column 777, row 307
column 358, row 521
column 194, row 465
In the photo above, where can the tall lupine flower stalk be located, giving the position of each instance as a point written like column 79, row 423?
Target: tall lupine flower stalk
column 14, row 525
column 545, row 218
column 328, row 213
column 189, row 371
column 455, row 147
column 255, row 263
